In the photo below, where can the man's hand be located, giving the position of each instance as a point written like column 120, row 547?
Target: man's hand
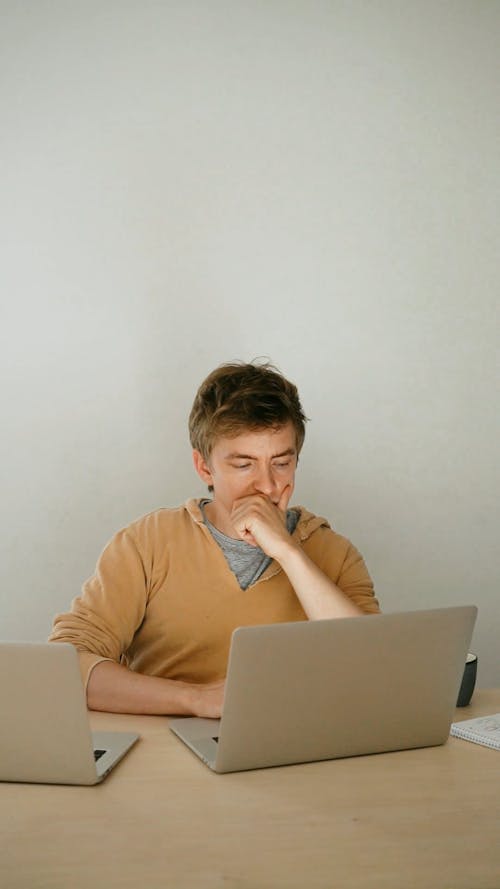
column 260, row 522
column 206, row 700
column 116, row 689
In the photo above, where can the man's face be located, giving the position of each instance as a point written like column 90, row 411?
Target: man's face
column 261, row 461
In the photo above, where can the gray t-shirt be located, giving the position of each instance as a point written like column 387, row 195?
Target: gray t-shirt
column 245, row 561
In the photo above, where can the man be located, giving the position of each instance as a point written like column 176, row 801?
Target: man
column 153, row 625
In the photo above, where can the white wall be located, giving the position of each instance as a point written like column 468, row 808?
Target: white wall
column 184, row 183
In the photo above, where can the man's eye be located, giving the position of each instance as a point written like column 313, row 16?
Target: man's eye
column 282, row 465
column 241, row 465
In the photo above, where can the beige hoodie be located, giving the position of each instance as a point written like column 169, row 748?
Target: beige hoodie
column 164, row 601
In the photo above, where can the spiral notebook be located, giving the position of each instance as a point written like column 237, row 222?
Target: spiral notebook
column 482, row 730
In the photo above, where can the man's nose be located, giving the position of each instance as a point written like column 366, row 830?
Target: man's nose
column 265, row 483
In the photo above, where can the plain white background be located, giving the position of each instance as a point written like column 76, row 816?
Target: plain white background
column 185, row 183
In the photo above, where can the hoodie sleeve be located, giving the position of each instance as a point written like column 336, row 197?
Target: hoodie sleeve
column 344, row 565
column 104, row 618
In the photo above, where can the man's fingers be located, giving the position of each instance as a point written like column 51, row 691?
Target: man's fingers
column 285, row 497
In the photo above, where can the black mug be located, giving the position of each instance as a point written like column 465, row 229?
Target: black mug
column 468, row 680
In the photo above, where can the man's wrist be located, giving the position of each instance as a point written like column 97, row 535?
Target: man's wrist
column 184, row 695
column 289, row 553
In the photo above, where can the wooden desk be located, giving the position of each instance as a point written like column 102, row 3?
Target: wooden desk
column 428, row 819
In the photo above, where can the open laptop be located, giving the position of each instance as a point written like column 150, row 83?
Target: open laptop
column 45, row 734
column 313, row 690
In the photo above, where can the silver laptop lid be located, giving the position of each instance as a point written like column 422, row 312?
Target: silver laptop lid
column 315, row 690
column 45, row 734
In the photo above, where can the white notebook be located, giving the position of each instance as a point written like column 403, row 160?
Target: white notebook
column 482, row 730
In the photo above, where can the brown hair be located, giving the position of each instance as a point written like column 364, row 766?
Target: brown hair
column 239, row 396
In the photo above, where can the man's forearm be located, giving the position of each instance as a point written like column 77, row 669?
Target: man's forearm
column 116, row 689
column 262, row 522
column 319, row 596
